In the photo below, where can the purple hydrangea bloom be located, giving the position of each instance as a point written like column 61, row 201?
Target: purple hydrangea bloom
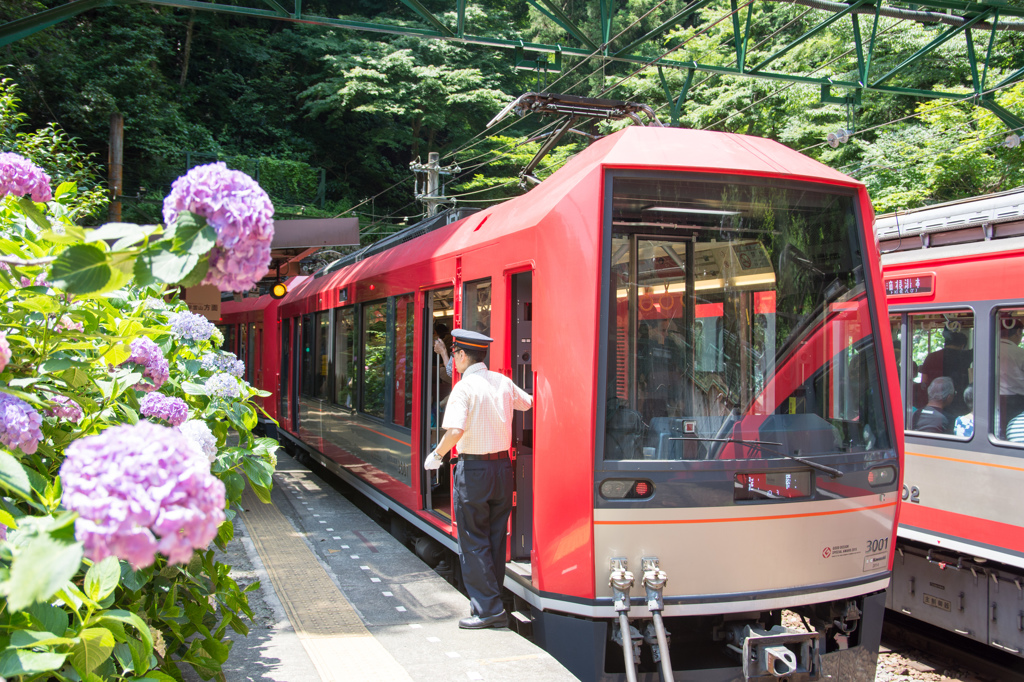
column 5, row 351
column 241, row 214
column 3, row 532
column 225, row 362
column 170, row 409
column 19, row 424
column 199, row 433
column 132, row 484
column 223, row 385
column 192, row 326
column 156, row 368
column 19, row 176
column 66, row 408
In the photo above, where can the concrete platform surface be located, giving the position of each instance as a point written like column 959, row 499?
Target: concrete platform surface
column 341, row 599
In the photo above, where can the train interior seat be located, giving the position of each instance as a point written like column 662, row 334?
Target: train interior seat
column 625, row 432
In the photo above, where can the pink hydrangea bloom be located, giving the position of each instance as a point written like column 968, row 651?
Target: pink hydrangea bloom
column 5, row 351
column 19, row 424
column 241, row 214
column 170, row 409
column 134, row 484
column 66, row 408
column 19, row 176
column 156, row 368
column 67, row 324
column 198, row 432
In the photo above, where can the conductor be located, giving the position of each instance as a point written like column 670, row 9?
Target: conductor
column 479, row 418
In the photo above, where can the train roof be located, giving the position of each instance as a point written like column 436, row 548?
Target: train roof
column 955, row 222
column 641, row 148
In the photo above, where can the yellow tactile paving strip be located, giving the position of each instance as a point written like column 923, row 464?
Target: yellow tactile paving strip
column 330, row 630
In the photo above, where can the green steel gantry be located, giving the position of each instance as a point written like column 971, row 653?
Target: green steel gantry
column 977, row 22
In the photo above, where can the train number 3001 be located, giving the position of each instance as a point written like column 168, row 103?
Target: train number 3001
column 879, row 545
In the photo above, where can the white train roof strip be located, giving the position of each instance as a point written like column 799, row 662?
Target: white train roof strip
column 953, row 215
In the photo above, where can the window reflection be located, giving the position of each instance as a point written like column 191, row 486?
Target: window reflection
column 737, row 314
column 375, row 317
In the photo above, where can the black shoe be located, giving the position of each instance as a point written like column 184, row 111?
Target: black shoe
column 476, row 622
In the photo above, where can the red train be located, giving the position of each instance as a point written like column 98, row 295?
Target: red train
column 699, row 317
column 956, row 305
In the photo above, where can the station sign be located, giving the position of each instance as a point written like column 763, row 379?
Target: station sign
column 204, row 300
column 910, row 285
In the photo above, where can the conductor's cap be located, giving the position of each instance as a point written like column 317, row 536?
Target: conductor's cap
column 470, row 340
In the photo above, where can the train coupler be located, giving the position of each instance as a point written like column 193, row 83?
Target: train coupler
column 777, row 654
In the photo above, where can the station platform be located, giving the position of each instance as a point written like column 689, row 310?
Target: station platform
column 341, row 599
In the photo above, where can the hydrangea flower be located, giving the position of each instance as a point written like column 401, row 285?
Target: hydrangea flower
column 192, row 326
column 217, row 338
column 5, row 351
column 39, row 281
column 133, row 484
column 66, row 408
column 67, row 324
column 19, row 176
column 199, row 433
column 225, row 362
column 223, row 385
column 3, row 532
column 170, row 409
column 156, row 368
column 241, row 214
column 19, row 424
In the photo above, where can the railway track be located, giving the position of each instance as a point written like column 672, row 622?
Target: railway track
column 917, row 651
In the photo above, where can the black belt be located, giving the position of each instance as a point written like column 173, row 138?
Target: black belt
column 490, row 456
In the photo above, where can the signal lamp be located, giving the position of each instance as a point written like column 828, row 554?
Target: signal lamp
column 279, row 290
column 881, row 476
column 618, row 489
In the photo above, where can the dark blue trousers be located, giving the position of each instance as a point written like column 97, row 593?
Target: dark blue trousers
column 483, row 502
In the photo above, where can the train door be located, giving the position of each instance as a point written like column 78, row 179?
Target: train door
column 521, row 344
column 438, row 318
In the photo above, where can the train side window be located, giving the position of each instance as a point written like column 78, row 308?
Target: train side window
column 306, row 384
column 896, row 328
column 323, row 328
column 345, row 367
column 253, row 361
column 402, row 369
column 375, row 317
column 476, row 306
column 941, row 377
column 1008, row 376
column 285, row 365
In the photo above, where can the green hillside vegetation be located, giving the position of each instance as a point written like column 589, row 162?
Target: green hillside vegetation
column 331, row 118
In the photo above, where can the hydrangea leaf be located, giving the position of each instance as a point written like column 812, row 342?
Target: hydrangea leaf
column 63, row 188
column 49, row 618
column 172, row 268
column 81, row 269
column 7, row 519
column 102, row 578
column 192, row 234
column 198, row 273
column 20, row 662
column 33, row 213
column 116, row 231
column 42, row 567
column 262, row 493
column 234, row 484
column 95, row 646
column 258, row 471
column 29, row 639
column 14, row 477
column 39, row 304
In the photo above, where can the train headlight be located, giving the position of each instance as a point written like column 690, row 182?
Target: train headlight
column 621, row 489
column 882, row 476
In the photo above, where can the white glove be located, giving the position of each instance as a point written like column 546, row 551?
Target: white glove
column 433, row 461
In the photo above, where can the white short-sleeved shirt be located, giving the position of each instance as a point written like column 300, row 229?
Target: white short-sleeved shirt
column 481, row 404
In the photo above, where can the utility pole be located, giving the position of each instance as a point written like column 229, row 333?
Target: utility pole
column 433, row 193
column 115, row 173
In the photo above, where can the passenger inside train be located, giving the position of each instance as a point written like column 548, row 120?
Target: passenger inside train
column 934, row 417
column 1011, row 371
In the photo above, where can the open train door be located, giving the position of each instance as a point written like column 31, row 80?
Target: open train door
column 438, row 318
column 521, row 344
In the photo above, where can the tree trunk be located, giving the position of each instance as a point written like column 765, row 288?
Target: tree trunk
column 416, row 123
column 188, row 48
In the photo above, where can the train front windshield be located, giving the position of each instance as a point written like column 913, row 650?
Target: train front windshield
column 738, row 324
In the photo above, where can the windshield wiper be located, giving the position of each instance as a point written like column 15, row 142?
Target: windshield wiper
column 834, row 473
